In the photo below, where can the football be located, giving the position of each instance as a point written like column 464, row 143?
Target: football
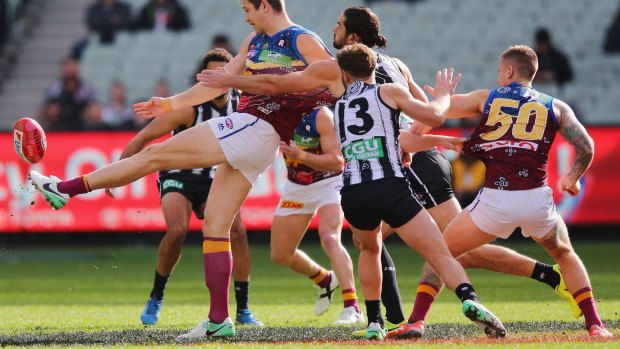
column 29, row 140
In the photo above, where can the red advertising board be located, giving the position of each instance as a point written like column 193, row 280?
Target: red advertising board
column 136, row 206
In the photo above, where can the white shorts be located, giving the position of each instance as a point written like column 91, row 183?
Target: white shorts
column 250, row 144
column 500, row 212
column 307, row 199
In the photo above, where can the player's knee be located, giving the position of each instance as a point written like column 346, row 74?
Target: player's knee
column 238, row 232
column 370, row 245
column 176, row 231
column 330, row 241
column 281, row 257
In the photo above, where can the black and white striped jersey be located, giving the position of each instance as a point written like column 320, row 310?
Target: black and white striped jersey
column 367, row 130
column 389, row 71
column 204, row 112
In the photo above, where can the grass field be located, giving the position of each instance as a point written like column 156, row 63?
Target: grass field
column 94, row 296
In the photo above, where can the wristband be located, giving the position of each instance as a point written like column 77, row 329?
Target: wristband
column 302, row 155
column 167, row 104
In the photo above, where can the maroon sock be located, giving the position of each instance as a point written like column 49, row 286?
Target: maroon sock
column 349, row 297
column 424, row 298
column 75, row 186
column 585, row 300
column 322, row 278
column 218, row 268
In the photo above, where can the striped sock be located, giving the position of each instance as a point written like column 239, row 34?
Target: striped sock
column 585, row 300
column 323, row 278
column 424, row 298
column 75, row 186
column 218, row 268
column 350, row 298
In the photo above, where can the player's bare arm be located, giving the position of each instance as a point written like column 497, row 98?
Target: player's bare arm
column 432, row 113
column 577, row 136
column 195, row 95
column 331, row 159
column 411, row 142
column 323, row 73
column 156, row 129
column 467, row 105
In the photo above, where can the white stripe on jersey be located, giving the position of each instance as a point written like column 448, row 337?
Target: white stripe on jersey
column 367, row 130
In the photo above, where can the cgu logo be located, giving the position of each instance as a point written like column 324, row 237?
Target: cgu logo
column 363, row 149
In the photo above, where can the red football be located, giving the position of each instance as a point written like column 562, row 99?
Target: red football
column 29, row 140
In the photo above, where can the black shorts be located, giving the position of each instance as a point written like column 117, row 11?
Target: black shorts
column 430, row 176
column 365, row 205
column 194, row 188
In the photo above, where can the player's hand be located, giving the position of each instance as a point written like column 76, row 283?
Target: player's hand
column 570, row 186
column 419, row 128
column 445, row 83
column 216, row 78
column 150, row 109
column 405, row 159
column 109, row 193
column 290, row 150
column 453, row 143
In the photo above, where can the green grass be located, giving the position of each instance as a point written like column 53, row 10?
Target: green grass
column 46, row 291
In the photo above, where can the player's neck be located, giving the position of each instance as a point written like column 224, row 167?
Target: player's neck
column 522, row 82
column 278, row 23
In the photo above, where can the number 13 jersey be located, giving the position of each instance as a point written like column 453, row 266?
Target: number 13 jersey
column 368, row 132
column 514, row 137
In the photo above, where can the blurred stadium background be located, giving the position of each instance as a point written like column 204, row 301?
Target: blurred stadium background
column 49, row 44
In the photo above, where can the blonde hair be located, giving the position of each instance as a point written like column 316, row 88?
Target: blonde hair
column 525, row 59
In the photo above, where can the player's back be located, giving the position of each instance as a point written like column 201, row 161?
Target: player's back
column 278, row 55
column 514, row 137
column 368, row 132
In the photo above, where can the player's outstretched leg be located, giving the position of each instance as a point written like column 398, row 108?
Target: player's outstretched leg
column 241, row 273
column 194, row 148
column 422, row 234
column 558, row 245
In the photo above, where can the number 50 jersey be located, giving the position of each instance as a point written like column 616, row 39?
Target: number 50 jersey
column 368, row 132
column 514, row 137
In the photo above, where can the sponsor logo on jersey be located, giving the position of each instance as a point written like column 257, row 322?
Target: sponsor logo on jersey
column 291, row 204
column 251, row 54
column 364, row 149
column 276, row 58
column 281, row 43
column 305, row 142
column 172, row 183
column 506, row 144
column 229, row 123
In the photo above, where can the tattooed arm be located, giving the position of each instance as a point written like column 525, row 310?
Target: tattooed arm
column 577, row 136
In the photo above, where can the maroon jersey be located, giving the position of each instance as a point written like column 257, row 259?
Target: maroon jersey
column 514, row 137
column 278, row 55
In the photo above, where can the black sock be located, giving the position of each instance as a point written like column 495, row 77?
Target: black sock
column 390, row 294
column 465, row 292
column 545, row 273
column 242, row 290
column 373, row 311
column 159, row 285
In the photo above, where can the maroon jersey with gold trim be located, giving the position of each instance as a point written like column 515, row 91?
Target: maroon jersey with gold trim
column 278, row 55
column 514, row 137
